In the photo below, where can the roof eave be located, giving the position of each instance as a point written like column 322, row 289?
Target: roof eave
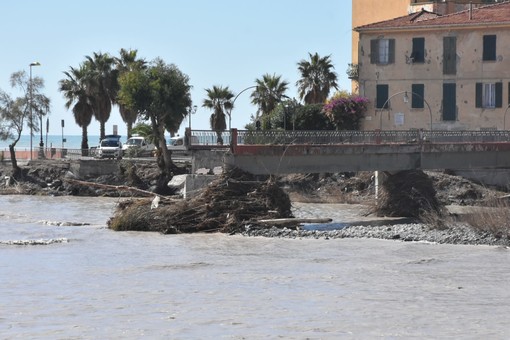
column 432, row 28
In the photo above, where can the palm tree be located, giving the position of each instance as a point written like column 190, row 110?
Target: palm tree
column 219, row 100
column 103, row 86
column 317, row 79
column 268, row 94
column 128, row 62
column 76, row 92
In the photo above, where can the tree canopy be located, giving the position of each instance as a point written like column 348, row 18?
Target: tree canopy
column 14, row 113
column 269, row 92
column 161, row 94
column 317, row 79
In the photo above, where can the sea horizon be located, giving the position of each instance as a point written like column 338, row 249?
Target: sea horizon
column 51, row 141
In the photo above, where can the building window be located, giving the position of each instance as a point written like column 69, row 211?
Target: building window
column 382, row 51
column 449, row 55
column 418, row 96
column 382, row 96
column 449, row 102
column 418, row 54
column 489, row 95
column 489, row 48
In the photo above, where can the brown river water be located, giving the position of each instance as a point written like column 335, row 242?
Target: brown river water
column 60, row 279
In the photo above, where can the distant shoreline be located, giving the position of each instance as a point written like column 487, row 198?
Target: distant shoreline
column 72, row 141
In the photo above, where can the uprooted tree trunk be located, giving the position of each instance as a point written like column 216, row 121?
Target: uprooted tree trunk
column 408, row 193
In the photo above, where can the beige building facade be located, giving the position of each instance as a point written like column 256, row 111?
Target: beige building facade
column 369, row 11
column 425, row 71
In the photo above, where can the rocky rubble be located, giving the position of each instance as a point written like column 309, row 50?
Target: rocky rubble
column 413, row 232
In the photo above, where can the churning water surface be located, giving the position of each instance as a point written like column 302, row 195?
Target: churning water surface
column 63, row 275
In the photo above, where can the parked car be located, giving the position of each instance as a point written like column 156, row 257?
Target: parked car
column 137, row 146
column 110, row 147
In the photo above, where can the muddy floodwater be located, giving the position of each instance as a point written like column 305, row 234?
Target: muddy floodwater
column 64, row 275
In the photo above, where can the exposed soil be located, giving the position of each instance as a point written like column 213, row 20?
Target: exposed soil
column 360, row 188
column 50, row 179
column 54, row 178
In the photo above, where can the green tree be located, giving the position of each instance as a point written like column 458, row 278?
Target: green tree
column 219, row 100
column 76, row 92
column 161, row 93
column 15, row 112
column 128, row 61
column 103, row 85
column 317, row 79
column 269, row 92
column 312, row 117
column 291, row 115
column 144, row 130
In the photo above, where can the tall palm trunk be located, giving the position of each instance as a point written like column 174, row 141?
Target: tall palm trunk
column 129, row 126
column 84, row 141
column 102, row 129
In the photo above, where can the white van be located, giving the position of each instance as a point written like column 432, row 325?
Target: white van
column 139, row 145
column 177, row 143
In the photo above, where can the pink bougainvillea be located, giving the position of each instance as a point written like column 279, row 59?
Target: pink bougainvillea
column 345, row 112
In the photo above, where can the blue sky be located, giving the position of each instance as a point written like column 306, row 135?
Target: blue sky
column 223, row 42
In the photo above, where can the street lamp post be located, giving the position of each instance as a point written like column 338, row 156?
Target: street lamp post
column 187, row 134
column 406, row 100
column 232, row 106
column 41, row 142
column 504, row 117
column 191, row 111
column 31, row 104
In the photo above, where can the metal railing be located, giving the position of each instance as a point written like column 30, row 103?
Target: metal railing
column 207, row 138
column 245, row 137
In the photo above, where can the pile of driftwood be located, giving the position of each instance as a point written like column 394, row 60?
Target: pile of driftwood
column 408, row 193
column 233, row 200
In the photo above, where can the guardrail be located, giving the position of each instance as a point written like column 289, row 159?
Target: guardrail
column 47, row 153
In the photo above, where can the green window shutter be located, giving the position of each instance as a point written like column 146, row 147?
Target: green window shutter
column 449, row 102
column 417, row 101
column 449, row 55
column 391, row 52
column 381, row 96
column 479, row 93
column 489, row 47
column 374, row 51
column 499, row 94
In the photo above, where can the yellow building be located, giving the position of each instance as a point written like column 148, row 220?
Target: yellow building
column 365, row 12
column 369, row 11
column 428, row 71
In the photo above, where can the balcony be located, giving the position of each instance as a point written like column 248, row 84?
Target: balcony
column 353, row 71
